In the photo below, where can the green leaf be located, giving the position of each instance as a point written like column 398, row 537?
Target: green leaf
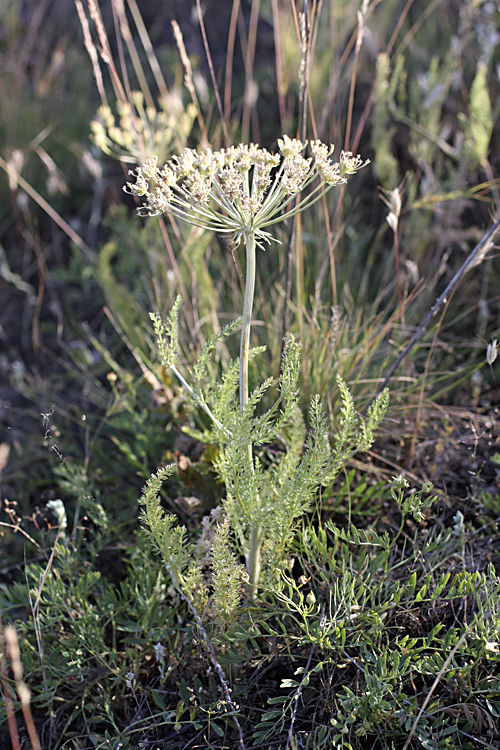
column 421, row 594
column 410, row 586
column 269, row 715
column 158, row 700
column 442, row 583
column 289, row 684
column 278, row 699
column 180, row 709
column 217, row 729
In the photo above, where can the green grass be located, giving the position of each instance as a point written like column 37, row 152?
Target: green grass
column 380, row 627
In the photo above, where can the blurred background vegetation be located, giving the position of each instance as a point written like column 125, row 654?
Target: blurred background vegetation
column 87, row 413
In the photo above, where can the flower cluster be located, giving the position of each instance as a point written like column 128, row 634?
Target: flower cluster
column 240, row 190
column 140, row 130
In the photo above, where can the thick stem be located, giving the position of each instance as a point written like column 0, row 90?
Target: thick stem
column 253, row 559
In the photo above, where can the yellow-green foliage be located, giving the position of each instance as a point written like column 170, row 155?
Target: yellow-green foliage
column 227, row 575
column 170, row 540
column 481, row 122
column 271, row 492
column 386, row 164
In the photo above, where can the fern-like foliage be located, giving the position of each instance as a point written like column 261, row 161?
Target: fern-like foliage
column 298, row 480
column 267, row 492
column 167, row 336
column 274, row 497
column 227, row 576
column 170, row 540
column 168, row 340
column 356, row 433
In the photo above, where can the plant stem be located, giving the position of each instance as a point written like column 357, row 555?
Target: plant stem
column 253, row 562
column 198, row 400
column 253, row 559
column 247, row 319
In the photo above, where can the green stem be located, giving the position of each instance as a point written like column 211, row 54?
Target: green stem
column 253, row 559
column 253, row 562
column 247, row 319
column 198, row 400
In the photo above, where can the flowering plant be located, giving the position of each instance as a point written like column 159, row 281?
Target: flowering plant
column 241, row 191
column 140, row 131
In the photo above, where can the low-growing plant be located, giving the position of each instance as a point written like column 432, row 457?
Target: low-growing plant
column 377, row 623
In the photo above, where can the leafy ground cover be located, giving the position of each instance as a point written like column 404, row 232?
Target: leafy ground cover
column 197, row 550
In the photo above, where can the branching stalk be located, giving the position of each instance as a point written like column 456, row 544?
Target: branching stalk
column 197, row 399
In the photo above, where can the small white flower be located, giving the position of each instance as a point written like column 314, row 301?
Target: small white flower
column 59, row 511
column 492, row 352
column 400, row 482
column 350, row 163
column 459, row 527
column 159, row 652
column 130, row 681
column 290, row 147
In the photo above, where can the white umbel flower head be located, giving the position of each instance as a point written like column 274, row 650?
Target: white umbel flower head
column 241, row 190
